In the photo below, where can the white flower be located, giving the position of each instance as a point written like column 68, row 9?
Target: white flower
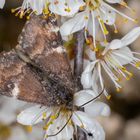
column 62, row 122
column 65, row 7
column 97, row 13
column 2, row 2
column 9, row 107
column 60, row 7
column 112, row 57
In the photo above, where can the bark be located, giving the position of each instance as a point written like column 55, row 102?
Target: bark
column 78, row 69
column 79, row 52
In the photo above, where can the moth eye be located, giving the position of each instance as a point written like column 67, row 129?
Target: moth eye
column 90, row 134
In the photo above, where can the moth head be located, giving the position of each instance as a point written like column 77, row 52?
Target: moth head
column 69, row 112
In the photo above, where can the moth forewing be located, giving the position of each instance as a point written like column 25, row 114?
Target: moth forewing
column 39, row 71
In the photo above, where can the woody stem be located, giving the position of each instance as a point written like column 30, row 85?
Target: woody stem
column 78, row 69
column 79, row 52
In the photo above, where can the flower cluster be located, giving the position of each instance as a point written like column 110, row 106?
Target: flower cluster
column 91, row 16
column 112, row 58
column 61, row 119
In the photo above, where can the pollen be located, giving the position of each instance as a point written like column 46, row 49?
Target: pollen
column 81, row 8
column 118, row 89
column 125, row 20
column 137, row 64
column 86, row 17
column 68, row 10
column 44, row 115
column 108, row 97
column 103, row 26
column 105, row 41
column 87, row 41
column 29, row 128
column 136, row 20
column 96, row 49
column 116, row 31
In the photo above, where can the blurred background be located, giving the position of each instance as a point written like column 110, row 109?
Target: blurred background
column 124, row 122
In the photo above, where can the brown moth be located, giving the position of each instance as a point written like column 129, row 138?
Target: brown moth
column 38, row 70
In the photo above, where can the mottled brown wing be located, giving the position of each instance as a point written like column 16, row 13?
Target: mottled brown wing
column 39, row 70
column 18, row 81
column 40, row 40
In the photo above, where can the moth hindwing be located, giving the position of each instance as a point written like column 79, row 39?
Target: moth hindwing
column 39, row 70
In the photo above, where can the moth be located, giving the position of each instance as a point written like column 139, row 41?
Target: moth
column 38, row 69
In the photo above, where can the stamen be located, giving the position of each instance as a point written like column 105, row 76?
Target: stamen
column 82, row 125
column 126, row 6
column 137, row 64
column 61, row 128
column 44, row 115
column 105, row 31
column 29, row 128
column 108, row 97
column 68, row 10
column 118, row 89
column 116, row 30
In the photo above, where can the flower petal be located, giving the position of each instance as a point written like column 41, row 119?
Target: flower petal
column 123, row 55
column 83, row 96
column 96, row 87
column 32, row 115
column 61, row 6
column 97, row 108
column 91, row 54
column 90, row 125
column 86, row 77
column 131, row 36
column 114, row 1
column 108, row 15
column 73, row 25
column 115, row 44
column 2, row 2
column 57, row 125
column 37, row 6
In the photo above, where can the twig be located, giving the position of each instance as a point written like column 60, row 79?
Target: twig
column 79, row 51
column 78, row 69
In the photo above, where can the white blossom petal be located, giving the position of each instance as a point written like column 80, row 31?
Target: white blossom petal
column 108, row 15
column 131, row 36
column 115, row 44
column 86, row 77
column 38, row 6
column 73, row 25
column 96, row 82
column 90, row 125
column 83, row 96
column 125, row 51
column 61, row 6
column 91, row 54
column 114, row 1
column 32, row 115
column 2, row 2
column 97, row 108
column 57, row 125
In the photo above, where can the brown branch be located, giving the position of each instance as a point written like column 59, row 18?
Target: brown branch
column 79, row 51
column 78, row 69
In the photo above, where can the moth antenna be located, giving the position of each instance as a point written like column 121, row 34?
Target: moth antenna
column 92, row 99
column 61, row 128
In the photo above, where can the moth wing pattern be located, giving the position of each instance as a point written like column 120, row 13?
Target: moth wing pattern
column 51, row 84
column 18, row 81
column 41, row 41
